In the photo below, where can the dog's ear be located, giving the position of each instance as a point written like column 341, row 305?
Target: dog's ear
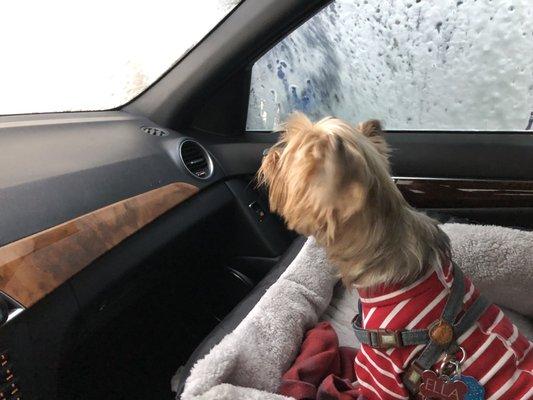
column 372, row 129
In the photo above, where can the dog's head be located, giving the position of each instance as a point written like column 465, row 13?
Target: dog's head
column 320, row 175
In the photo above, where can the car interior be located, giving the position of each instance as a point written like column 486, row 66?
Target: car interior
column 133, row 239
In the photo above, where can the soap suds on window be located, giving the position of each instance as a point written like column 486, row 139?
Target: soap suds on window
column 415, row 65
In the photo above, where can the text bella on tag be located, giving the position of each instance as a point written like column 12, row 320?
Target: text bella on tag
column 441, row 388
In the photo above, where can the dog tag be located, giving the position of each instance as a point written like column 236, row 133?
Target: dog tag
column 442, row 387
column 475, row 391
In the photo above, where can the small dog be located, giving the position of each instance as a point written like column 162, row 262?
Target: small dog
column 332, row 181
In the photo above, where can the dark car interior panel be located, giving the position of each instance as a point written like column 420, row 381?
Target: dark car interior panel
column 133, row 240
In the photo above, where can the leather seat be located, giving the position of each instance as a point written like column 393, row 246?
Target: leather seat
column 230, row 322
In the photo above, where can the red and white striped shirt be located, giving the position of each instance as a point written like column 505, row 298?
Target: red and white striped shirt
column 497, row 355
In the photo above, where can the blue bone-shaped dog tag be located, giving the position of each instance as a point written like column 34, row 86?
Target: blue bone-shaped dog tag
column 475, row 390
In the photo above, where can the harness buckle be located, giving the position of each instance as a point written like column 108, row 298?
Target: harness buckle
column 387, row 339
column 413, row 377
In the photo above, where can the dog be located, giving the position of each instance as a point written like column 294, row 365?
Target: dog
column 332, row 181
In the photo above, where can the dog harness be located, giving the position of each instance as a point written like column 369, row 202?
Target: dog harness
column 395, row 361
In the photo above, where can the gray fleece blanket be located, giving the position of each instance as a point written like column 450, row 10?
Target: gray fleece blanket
column 248, row 363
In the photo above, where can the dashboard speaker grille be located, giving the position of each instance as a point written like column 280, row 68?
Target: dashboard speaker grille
column 196, row 159
column 151, row 130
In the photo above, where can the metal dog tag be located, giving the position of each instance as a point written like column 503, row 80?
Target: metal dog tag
column 475, row 391
column 441, row 387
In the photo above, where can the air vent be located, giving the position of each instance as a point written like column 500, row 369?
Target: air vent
column 151, row 130
column 196, row 159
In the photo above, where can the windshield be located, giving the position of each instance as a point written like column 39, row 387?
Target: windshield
column 77, row 56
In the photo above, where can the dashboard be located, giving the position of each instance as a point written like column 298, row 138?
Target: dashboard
column 82, row 238
column 72, row 164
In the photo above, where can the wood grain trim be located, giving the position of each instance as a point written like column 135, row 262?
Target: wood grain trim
column 465, row 193
column 32, row 267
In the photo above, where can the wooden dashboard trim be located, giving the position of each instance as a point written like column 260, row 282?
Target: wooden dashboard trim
column 32, row 267
column 465, row 193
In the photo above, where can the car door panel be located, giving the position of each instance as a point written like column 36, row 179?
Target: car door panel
column 476, row 177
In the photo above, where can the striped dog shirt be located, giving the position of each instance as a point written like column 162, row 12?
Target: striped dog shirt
column 497, row 355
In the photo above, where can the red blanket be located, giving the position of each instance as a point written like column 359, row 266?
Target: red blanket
column 322, row 370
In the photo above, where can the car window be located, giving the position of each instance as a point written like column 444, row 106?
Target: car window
column 414, row 64
column 72, row 56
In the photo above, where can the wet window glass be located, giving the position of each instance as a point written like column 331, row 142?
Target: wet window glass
column 413, row 64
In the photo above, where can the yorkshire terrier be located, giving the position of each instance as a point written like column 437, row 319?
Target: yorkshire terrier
column 332, row 181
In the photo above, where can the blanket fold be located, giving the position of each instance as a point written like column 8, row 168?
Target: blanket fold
column 322, row 370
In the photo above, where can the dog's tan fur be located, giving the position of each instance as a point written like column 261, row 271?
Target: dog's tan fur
column 331, row 181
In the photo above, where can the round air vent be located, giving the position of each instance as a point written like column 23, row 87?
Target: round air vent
column 196, row 159
column 151, row 130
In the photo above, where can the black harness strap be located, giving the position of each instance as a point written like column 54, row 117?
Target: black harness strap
column 383, row 338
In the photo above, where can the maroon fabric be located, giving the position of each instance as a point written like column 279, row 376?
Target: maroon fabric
column 322, row 370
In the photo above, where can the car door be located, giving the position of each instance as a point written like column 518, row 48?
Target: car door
column 457, row 117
